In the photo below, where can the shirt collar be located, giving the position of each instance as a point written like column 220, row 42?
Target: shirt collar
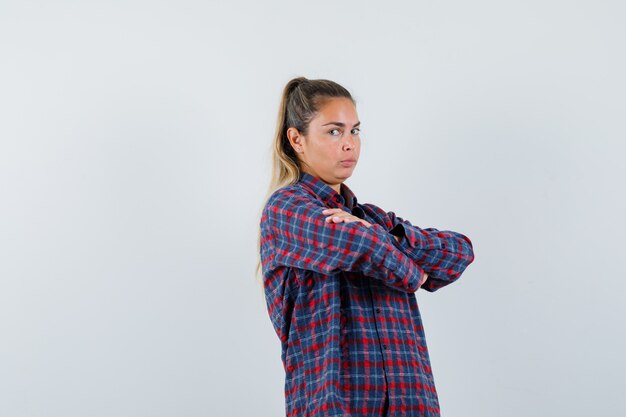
column 328, row 195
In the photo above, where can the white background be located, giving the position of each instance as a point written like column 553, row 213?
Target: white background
column 135, row 142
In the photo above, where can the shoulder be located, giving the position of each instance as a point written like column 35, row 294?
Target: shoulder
column 289, row 196
column 289, row 202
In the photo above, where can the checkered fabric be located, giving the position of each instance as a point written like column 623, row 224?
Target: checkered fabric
column 341, row 298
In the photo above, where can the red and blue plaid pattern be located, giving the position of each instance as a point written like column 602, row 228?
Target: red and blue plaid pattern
column 341, row 297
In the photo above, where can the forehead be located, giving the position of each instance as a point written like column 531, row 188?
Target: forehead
column 337, row 110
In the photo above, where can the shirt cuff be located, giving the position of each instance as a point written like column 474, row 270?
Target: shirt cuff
column 419, row 239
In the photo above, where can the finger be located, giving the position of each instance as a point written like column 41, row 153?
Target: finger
column 335, row 219
column 340, row 213
column 349, row 218
column 340, row 217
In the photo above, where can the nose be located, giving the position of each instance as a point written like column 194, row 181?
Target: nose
column 349, row 142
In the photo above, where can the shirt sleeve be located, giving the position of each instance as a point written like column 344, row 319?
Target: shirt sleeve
column 443, row 254
column 300, row 237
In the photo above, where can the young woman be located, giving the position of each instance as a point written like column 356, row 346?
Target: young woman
column 340, row 276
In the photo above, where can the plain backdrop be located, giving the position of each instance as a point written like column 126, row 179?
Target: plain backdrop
column 135, row 141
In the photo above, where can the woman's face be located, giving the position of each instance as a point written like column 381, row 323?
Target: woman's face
column 330, row 150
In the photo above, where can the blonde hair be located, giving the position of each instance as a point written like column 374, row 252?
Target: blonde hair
column 301, row 100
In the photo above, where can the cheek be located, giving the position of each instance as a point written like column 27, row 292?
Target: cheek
column 327, row 152
column 322, row 155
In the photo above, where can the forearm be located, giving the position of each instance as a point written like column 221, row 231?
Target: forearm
column 299, row 237
column 443, row 254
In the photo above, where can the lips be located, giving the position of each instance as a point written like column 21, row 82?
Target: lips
column 348, row 162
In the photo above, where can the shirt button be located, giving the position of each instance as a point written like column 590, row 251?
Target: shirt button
column 377, row 309
column 385, row 347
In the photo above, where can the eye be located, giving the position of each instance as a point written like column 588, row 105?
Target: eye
column 332, row 132
column 356, row 131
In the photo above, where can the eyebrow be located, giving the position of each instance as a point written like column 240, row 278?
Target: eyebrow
column 341, row 124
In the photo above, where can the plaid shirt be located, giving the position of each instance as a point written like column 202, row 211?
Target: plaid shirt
column 341, row 298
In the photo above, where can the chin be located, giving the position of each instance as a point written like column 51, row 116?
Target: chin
column 345, row 174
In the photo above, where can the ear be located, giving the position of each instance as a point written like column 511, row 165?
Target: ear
column 295, row 139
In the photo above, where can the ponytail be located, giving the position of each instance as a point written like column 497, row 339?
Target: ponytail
column 301, row 100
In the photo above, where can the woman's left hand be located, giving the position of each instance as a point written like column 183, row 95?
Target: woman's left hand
column 337, row 215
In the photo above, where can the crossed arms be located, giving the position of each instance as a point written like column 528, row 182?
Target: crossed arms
column 300, row 237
